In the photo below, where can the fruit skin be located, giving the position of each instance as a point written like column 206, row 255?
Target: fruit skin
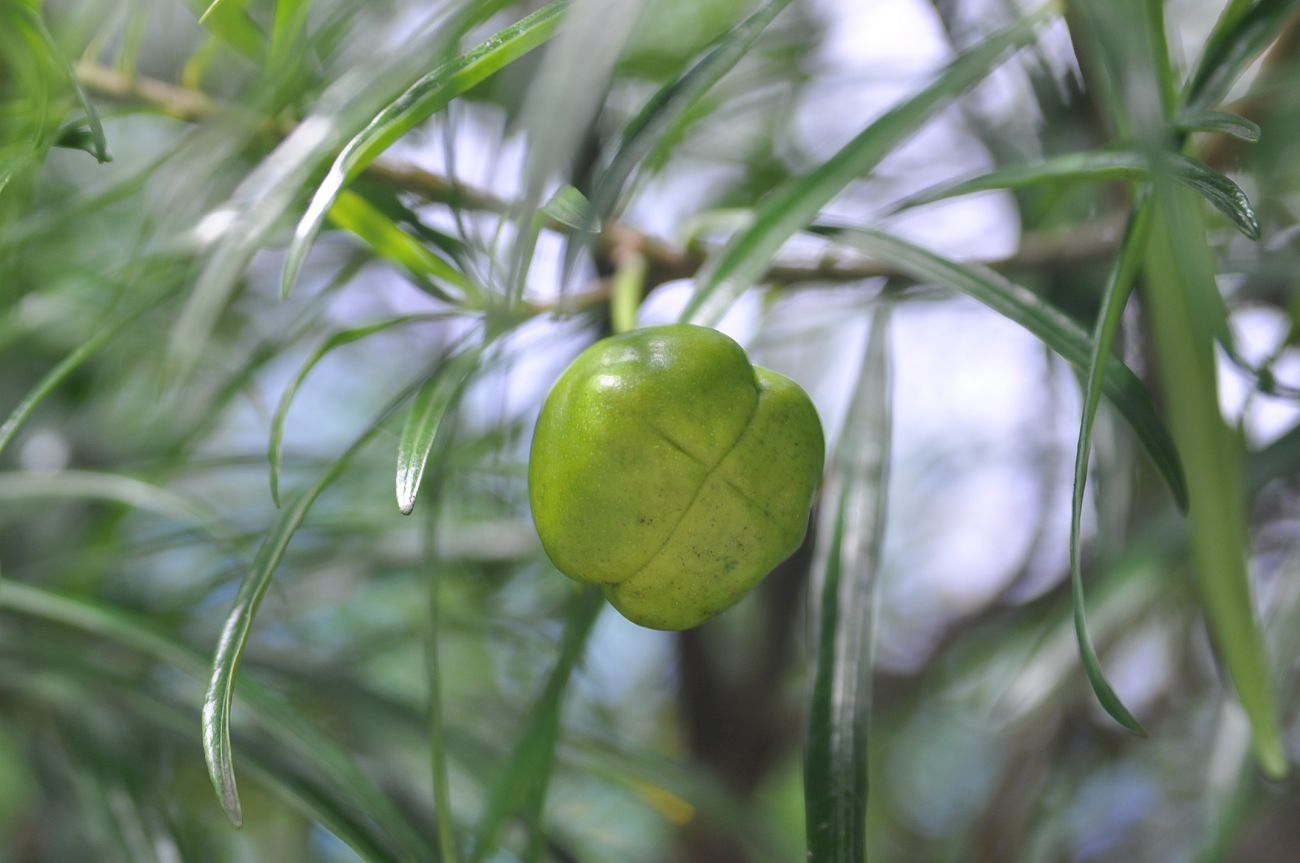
column 673, row 473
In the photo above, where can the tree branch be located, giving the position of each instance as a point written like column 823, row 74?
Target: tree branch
column 1068, row 247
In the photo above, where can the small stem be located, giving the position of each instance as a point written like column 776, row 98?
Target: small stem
column 628, row 287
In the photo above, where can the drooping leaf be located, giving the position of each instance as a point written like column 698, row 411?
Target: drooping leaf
column 432, row 404
column 98, row 142
column 1221, row 192
column 77, row 137
column 846, row 571
column 1185, row 316
column 1204, row 120
column 1040, row 318
column 343, row 337
column 1119, row 285
column 1099, row 165
column 795, row 203
column 217, row 701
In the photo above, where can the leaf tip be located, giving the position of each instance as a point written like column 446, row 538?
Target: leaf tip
column 1136, row 729
column 1117, row 711
column 288, row 276
column 1272, row 758
column 234, row 812
column 294, row 256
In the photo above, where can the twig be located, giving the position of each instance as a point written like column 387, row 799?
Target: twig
column 179, row 102
column 1041, row 250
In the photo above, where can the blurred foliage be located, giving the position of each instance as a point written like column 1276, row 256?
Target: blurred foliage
column 467, row 194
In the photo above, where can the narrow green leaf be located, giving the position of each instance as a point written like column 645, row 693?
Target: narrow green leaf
column 99, row 143
column 342, row 337
column 234, row 636
column 354, row 213
column 522, row 783
column 1204, row 120
column 639, row 137
column 1180, row 278
column 1158, row 46
column 53, row 378
column 131, row 42
column 99, row 140
column 1048, row 323
column 1119, row 285
column 1223, row 194
column 796, row 202
column 125, row 490
column 289, row 29
column 201, row 60
column 569, row 207
column 424, row 98
column 76, row 136
column 1232, row 12
column 215, row 5
column 1073, row 167
column 229, row 20
column 1236, row 41
column 436, row 399
column 239, row 622
column 845, row 577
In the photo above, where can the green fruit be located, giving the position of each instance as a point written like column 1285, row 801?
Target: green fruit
column 673, row 473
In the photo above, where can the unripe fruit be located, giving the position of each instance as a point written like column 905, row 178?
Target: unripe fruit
column 673, row 473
